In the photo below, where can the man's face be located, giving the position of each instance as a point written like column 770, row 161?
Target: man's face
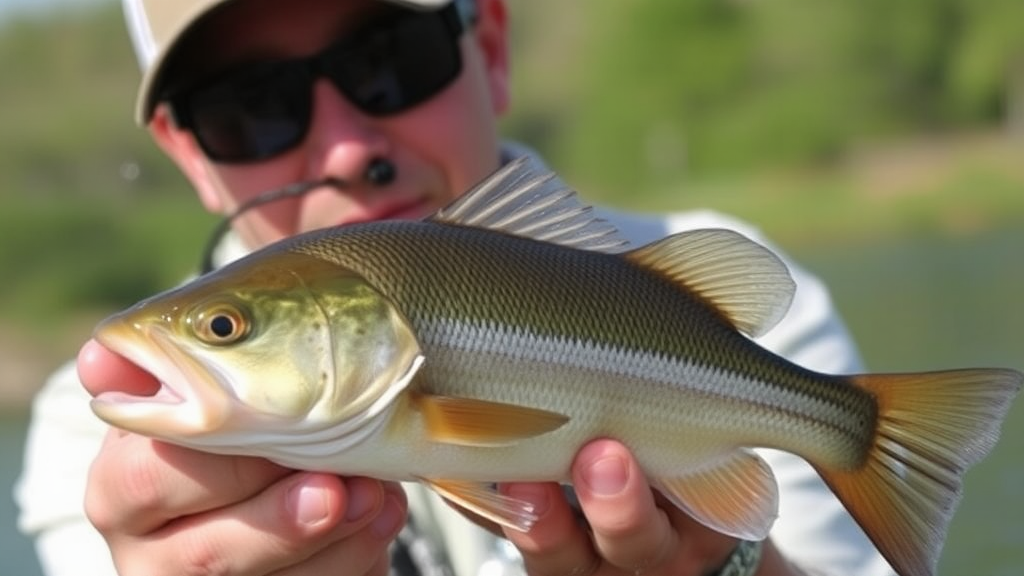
column 440, row 147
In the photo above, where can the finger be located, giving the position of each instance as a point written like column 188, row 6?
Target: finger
column 557, row 544
column 288, row 524
column 700, row 548
column 381, row 568
column 629, row 530
column 101, row 370
column 137, row 485
column 364, row 552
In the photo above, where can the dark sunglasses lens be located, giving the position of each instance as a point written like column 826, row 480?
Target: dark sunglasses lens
column 391, row 70
column 265, row 109
column 253, row 115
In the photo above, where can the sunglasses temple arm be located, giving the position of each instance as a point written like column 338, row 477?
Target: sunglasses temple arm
column 290, row 191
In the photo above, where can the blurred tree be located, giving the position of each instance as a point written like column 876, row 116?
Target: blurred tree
column 68, row 90
column 987, row 69
column 91, row 214
column 670, row 90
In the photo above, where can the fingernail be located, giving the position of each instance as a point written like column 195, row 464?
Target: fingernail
column 607, row 476
column 363, row 495
column 390, row 519
column 536, row 494
column 308, row 503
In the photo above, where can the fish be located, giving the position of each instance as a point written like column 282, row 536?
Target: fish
column 489, row 342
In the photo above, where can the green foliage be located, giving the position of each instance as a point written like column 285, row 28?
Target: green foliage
column 990, row 56
column 68, row 90
column 92, row 216
column 58, row 257
column 671, row 91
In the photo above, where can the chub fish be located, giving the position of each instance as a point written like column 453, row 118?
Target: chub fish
column 490, row 341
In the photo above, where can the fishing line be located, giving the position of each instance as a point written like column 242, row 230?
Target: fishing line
column 289, row 191
column 379, row 172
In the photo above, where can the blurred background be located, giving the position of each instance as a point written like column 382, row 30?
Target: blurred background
column 880, row 143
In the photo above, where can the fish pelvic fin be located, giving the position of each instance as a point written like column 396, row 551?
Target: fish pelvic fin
column 930, row 428
column 483, row 499
column 746, row 282
column 471, row 422
column 736, row 495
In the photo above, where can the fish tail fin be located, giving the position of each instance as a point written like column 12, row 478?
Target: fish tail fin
column 930, row 428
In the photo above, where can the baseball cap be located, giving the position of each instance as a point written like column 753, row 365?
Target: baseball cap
column 156, row 27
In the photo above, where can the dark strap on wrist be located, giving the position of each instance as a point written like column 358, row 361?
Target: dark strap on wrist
column 743, row 561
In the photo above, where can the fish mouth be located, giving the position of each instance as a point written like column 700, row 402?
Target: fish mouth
column 190, row 400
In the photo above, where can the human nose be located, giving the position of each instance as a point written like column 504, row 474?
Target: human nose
column 343, row 142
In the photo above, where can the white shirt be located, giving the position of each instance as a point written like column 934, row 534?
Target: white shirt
column 813, row 529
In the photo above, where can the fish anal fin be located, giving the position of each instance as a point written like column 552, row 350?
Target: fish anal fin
column 472, row 422
column 742, row 279
column 483, row 499
column 737, row 495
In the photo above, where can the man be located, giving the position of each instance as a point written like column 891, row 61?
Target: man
column 401, row 104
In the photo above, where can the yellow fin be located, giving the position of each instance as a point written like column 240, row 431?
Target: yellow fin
column 745, row 281
column 471, row 422
column 483, row 499
column 931, row 428
column 737, row 496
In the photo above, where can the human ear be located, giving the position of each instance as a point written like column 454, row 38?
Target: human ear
column 491, row 34
column 180, row 145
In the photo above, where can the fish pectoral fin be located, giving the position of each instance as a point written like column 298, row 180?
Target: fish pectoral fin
column 737, row 496
column 471, row 422
column 483, row 499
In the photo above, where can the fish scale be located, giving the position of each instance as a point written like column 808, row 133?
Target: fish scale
column 598, row 298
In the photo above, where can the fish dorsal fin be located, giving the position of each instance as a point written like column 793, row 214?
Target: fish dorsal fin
column 737, row 496
column 518, row 200
column 745, row 281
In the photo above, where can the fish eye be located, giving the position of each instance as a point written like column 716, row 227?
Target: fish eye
column 221, row 324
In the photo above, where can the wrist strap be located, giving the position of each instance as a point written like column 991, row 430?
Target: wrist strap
column 743, row 561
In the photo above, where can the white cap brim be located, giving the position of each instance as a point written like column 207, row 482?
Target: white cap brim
column 156, row 26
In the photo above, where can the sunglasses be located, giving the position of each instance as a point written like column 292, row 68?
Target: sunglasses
column 263, row 109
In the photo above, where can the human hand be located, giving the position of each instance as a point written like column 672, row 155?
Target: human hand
column 632, row 529
column 164, row 509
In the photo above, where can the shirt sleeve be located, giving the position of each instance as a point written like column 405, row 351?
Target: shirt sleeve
column 63, row 439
